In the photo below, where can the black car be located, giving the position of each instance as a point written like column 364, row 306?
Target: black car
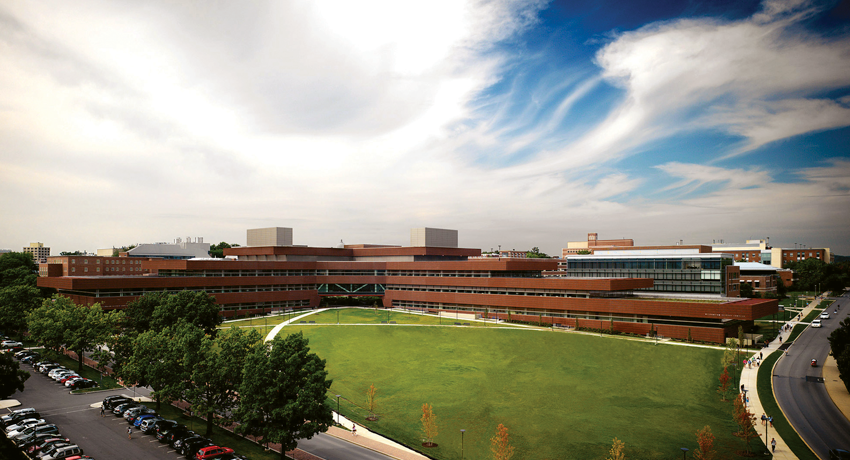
column 190, row 446
column 83, row 383
column 32, row 435
column 178, row 434
column 160, row 425
column 29, row 359
column 164, row 433
column 38, row 439
column 109, row 404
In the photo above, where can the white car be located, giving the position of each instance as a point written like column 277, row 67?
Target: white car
column 23, row 424
column 11, row 434
column 816, row 323
column 824, row 315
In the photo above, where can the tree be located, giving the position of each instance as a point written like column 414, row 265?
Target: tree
column 724, row 384
column 157, row 361
column 12, row 378
column 370, row 402
column 140, row 311
column 429, row 425
column 217, row 250
column 214, row 368
column 283, row 395
column 616, row 452
column 839, row 343
column 72, row 253
column 500, row 444
column 706, row 444
column 16, row 302
column 745, row 420
column 746, row 290
column 196, row 308
column 584, row 252
column 536, row 254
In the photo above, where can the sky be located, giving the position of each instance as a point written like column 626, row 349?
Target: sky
column 518, row 123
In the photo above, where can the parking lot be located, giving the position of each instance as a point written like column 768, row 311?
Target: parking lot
column 78, row 418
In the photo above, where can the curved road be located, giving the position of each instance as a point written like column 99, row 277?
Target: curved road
column 801, row 393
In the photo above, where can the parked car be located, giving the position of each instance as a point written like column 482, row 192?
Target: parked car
column 30, row 433
column 37, row 439
column 816, row 323
column 132, row 414
column 154, row 427
column 212, row 452
column 839, row 454
column 177, row 434
column 164, row 433
column 42, row 443
column 52, row 372
column 24, row 353
column 82, row 383
column 190, row 446
column 10, row 344
column 18, row 415
column 141, row 418
column 118, row 409
column 64, row 452
column 29, row 359
column 25, row 423
column 149, row 425
column 110, row 402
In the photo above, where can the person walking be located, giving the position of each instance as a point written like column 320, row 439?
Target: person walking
column 354, row 429
column 101, row 410
column 129, row 433
column 763, row 419
column 773, row 444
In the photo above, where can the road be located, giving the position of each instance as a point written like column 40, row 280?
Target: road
column 106, row 437
column 801, row 393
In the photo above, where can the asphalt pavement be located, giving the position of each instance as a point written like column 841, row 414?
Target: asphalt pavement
column 800, row 391
column 104, row 438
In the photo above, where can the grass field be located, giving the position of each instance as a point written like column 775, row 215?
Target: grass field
column 562, row 395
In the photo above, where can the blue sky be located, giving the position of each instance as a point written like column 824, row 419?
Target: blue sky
column 518, row 123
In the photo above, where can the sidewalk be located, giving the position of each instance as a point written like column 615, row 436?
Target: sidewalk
column 749, row 377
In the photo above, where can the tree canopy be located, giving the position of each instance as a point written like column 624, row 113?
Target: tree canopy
column 217, row 250
column 839, row 342
column 535, row 253
column 812, row 274
column 12, row 378
column 284, row 392
column 196, row 308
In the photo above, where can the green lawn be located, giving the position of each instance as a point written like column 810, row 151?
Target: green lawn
column 561, row 395
column 812, row 315
column 378, row 316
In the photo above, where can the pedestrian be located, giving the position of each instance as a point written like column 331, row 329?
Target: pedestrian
column 770, row 421
column 773, row 444
column 354, row 429
column 101, row 410
column 742, row 388
column 763, row 419
column 747, row 402
column 760, row 355
column 129, row 433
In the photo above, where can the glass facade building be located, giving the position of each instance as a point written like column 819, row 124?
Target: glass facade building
column 691, row 273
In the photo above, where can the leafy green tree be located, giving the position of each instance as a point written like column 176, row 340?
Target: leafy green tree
column 196, row 308
column 140, row 311
column 215, row 371
column 157, row 361
column 746, row 290
column 12, row 378
column 72, row 253
column 283, row 396
column 217, row 250
column 16, row 302
column 839, row 343
column 536, row 254
column 60, row 322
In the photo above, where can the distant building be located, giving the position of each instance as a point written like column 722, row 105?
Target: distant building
column 178, row 250
column 39, row 252
column 592, row 244
column 761, row 251
column 513, row 254
column 4, row 251
column 433, row 237
column 763, row 278
column 271, row 236
column 92, row 266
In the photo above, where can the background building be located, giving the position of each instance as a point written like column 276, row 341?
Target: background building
column 254, row 280
column 271, row 236
column 761, row 251
column 39, row 252
column 592, row 244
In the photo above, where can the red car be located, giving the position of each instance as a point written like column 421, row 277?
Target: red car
column 212, row 451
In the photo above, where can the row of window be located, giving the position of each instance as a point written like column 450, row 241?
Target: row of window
column 654, row 264
column 420, row 273
column 107, row 269
column 267, row 306
column 109, row 261
column 132, row 292
column 702, row 275
column 490, row 290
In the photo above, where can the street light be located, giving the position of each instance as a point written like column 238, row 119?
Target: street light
column 462, row 431
column 684, row 452
column 337, row 409
column 766, row 437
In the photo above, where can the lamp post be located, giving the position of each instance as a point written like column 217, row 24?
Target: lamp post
column 337, row 409
column 684, row 452
column 766, row 437
column 462, row 431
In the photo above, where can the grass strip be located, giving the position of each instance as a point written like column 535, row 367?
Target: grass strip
column 798, row 329
column 780, row 423
column 812, row 315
